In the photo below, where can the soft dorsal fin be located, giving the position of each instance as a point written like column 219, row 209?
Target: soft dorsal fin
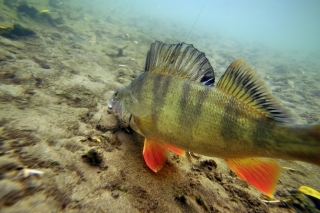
column 179, row 60
column 242, row 82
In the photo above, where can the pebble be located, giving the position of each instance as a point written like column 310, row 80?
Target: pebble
column 107, row 122
column 291, row 83
column 115, row 195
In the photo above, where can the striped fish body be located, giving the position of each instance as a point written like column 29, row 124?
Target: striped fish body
column 175, row 105
column 209, row 121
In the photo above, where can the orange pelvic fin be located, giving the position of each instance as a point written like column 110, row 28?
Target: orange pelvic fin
column 262, row 173
column 175, row 149
column 155, row 154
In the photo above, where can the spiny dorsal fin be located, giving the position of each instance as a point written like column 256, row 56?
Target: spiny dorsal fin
column 180, row 60
column 242, row 82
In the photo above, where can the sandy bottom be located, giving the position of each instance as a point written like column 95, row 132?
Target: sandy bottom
column 54, row 91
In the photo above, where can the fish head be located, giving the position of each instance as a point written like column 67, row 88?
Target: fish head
column 125, row 105
column 119, row 105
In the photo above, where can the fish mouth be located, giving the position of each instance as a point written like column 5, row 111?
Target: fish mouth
column 112, row 106
column 116, row 107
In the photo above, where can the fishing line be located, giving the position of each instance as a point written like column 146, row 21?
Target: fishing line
column 196, row 20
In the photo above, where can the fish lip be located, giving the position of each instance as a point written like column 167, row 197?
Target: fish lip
column 111, row 104
column 116, row 107
column 110, row 107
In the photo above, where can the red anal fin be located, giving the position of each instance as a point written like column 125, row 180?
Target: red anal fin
column 155, row 154
column 175, row 149
column 260, row 172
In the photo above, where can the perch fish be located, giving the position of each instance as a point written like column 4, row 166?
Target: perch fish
column 175, row 105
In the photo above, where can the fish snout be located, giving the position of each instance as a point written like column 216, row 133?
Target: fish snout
column 110, row 107
column 115, row 106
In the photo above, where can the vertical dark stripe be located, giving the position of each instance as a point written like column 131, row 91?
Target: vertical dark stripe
column 260, row 135
column 184, row 98
column 137, row 84
column 191, row 102
column 202, row 96
column 156, row 89
column 185, row 119
column 160, row 90
column 229, row 128
column 165, row 88
column 192, row 98
column 156, row 99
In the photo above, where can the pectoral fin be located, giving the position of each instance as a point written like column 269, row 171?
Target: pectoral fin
column 260, row 172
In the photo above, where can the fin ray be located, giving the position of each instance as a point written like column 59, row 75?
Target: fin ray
column 243, row 83
column 180, row 60
column 260, row 172
column 155, row 154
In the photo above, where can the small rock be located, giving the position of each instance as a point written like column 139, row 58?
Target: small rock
column 107, row 122
column 291, row 83
column 210, row 164
column 111, row 138
column 115, row 195
column 95, row 138
column 120, row 80
column 218, row 176
column 42, row 63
